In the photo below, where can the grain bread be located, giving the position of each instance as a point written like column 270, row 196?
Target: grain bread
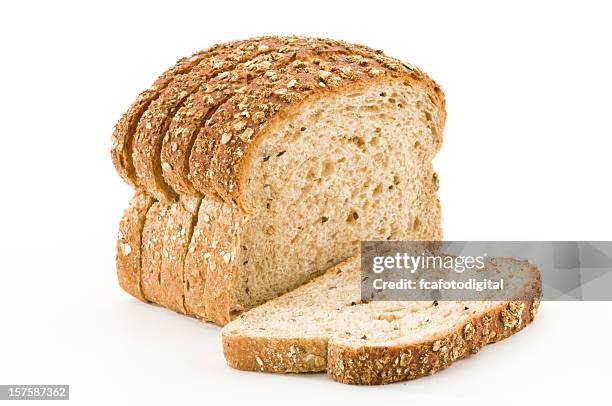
column 151, row 251
column 176, row 236
column 298, row 148
column 324, row 325
column 128, row 253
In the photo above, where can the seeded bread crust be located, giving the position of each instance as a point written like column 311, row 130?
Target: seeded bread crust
column 201, row 105
column 220, row 153
column 154, row 123
column 211, row 252
column 128, row 253
column 152, row 247
column 376, row 364
column 176, row 239
column 180, row 256
column 121, row 149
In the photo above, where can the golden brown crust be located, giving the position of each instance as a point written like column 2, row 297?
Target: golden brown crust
column 180, row 256
column 376, row 365
column 278, row 355
column 213, row 238
column 128, row 253
column 220, row 152
column 294, row 48
column 176, row 239
column 152, row 246
column 201, row 105
column 225, row 223
column 121, row 149
column 153, row 125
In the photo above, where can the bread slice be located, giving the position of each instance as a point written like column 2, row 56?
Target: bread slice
column 152, row 250
column 323, row 325
column 212, row 249
column 176, row 239
column 128, row 254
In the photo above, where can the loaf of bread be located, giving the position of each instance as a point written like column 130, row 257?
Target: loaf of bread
column 264, row 162
column 324, row 325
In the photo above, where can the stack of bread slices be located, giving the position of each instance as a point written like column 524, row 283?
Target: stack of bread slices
column 259, row 165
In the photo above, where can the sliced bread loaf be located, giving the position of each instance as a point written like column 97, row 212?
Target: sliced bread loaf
column 305, row 149
column 324, row 325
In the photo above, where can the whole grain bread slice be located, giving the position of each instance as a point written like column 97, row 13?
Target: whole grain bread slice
column 211, row 250
column 128, row 254
column 324, row 325
column 176, row 239
column 152, row 251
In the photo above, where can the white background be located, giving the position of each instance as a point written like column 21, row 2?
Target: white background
column 526, row 156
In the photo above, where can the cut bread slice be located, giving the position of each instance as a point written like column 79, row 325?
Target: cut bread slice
column 128, row 254
column 152, row 251
column 324, row 325
column 176, row 239
column 211, row 251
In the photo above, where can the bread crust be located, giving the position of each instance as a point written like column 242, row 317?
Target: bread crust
column 378, row 364
column 295, row 52
column 176, row 239
column 128, row 250
column 153, row 125
column 121, row 147
column 201, row 105
column 152, row 247
column 207, row 264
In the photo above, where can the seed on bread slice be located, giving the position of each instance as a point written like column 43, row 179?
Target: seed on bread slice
column 128, row 253
column 324, row 325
